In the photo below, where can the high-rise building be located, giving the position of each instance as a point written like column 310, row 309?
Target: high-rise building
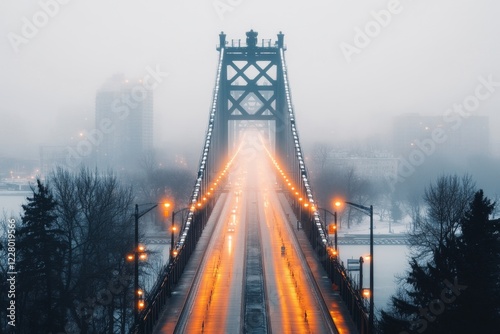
column 124, row 121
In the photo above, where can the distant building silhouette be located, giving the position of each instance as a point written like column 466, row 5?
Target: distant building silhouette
column 52, row 157
column 124, row 118
column 457, row 137
column 375, row 166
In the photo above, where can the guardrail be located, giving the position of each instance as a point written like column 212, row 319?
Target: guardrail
column 170, row 275
column 349, row 292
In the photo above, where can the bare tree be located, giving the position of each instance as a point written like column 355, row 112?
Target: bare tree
column 445, row 203
column 347, row 184
column 357, row 190
column 320, row 154
column 95, row 214
column 160, row 184
column 413, row 207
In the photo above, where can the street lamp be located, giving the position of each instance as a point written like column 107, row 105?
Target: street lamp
column 137, row 292
column 337, row 204
column 334, row 214
column 361, row 276
column 173, row 253
column 300, row 206
column 368, row 211
column 139, row 253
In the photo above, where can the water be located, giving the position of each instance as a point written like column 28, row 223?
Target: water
column 11, row 201
column 390, row 261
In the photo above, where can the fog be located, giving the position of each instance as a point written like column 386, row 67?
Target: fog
column 425, row 57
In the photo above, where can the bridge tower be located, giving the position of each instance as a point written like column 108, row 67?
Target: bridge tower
column 251, row 91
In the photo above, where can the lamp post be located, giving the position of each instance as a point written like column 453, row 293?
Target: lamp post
column 361, row 276
column 173, row 232
column 334, row 214
column 137, row 292
column 369, row 211
column 300, row 208
column 336, row 228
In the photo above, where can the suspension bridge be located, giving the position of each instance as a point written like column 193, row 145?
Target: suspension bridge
column 252, row 254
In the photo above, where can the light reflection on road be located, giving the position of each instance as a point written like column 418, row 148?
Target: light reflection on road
column 292, row 306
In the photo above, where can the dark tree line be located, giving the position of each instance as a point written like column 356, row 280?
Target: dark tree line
column 95, row 213
column 452, row 285
column 335, row 182
column 72, row 240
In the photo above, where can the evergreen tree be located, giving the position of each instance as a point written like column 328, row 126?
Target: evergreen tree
column 478, row 266
column 457, row 290
column 424, row 305
column 39, row 262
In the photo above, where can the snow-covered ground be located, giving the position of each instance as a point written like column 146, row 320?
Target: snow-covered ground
column 379, row 227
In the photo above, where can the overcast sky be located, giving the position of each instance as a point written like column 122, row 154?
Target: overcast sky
column 424, row 57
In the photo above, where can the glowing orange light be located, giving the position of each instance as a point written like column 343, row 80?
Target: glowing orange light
column 143, row 256
column 130, row 257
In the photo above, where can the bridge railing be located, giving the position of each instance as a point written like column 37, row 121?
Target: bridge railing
column 348, row 290
column 170, row 276
column 200, row 209
column 311, row 221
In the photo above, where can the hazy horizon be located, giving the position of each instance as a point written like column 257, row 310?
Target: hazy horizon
column 424, row 58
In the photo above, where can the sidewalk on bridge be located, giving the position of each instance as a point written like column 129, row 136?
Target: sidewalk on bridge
column 336, row 306
column 174, row 305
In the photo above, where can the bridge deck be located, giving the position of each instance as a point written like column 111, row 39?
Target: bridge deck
column 334, row 302
column 173, row 307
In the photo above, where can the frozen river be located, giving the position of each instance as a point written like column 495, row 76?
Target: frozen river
column 10, row 202
column 390, row 261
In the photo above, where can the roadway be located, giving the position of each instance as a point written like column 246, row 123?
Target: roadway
column 214, row 304
column 251, row 229
column 295, row 304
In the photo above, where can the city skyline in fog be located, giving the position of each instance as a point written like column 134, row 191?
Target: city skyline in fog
column 352, row 66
